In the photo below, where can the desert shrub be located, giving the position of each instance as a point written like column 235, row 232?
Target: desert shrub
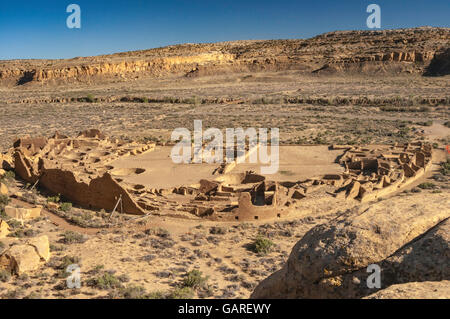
column 134, row 292
column 15, row 294
column 66, row 207
column 4, row 201
column 160, row 232
column 181, row 293
column 33, row 295
column 54, row 247
column 65, row 262
column 90, row 98
column 8, row 177
column 447, row 124
column 5, row 276
column 194, row 279
column 71, row 237
column 215, row 230
column 54, row 199
column 445, row 168
column 261, row 245
column 14, row 224
column 156, row 295
column 427, row 123
column 426, row 185
column 97, row 269
column 105, row 281
column 193, row 100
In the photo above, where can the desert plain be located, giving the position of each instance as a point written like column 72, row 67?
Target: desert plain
column 87, row 178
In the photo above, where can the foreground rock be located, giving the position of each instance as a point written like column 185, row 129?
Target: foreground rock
column 24, row 257
column 331, row 260
column 3, row 189
column 4, row 229
column 22, row 214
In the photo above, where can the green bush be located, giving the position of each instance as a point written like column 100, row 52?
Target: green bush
column 54, row 199
column 105, row 281
column 70, row 237
column 66, row 207
column 262, row 246
column 90, row 98
column 194, row 279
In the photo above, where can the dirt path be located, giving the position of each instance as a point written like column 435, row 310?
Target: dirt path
column 59, row 221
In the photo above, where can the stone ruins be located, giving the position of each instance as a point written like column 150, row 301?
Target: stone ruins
column 80, row 170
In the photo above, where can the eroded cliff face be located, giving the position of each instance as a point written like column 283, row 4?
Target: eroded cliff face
column 388, row 51
column 152, row 67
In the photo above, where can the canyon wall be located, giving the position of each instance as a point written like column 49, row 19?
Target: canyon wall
column 387, row 51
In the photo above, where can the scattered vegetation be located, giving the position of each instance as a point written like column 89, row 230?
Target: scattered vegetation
column 5, row 276
column 181, row 293
column 65, row 262
column 8, row 177
column 105, row 282
column 427, row 185
column 54, row 199
column 71, row 237
column 445, row 168
column 4, row 201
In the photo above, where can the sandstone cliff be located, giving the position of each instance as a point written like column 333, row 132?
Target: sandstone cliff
column 392, row 51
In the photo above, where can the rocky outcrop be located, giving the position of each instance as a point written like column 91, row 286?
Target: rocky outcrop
column 408, row 241
column 22, row 214
column 395, row 51
column 440, row 65
column 23, row 257
column 4, row 229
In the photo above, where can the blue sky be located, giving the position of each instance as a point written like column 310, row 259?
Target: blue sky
column 37, row 29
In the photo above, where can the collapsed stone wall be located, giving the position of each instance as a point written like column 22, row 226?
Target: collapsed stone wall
column 78, row 169
column 37, row 162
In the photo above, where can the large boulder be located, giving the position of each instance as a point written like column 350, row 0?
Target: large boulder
column 3, row 189
column 20, row 213
column 4, row 229
column 20, row 258
column 42, row 246
column 331, row 260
